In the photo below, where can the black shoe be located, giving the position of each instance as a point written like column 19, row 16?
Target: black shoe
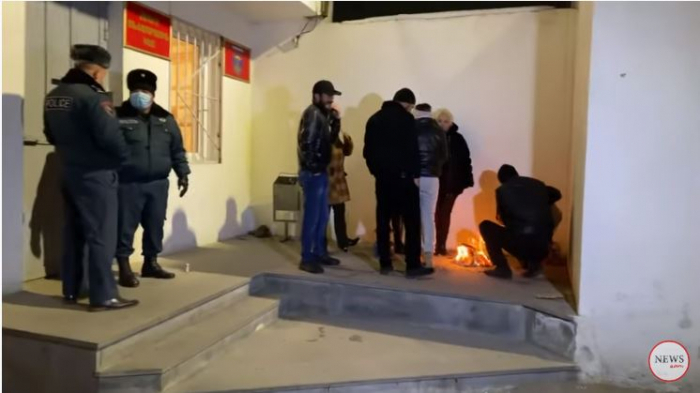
column 419, row 272
column 127, row 278
column 151, row 268
column 533, row 272
column 70, row 299
column 499, row 273
column 441, row 252
column 386, row 270
column 311, row 267
column 113, row 304
column 353, row 242
column 329, row 261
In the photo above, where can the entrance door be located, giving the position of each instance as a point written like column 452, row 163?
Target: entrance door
column 52, row 27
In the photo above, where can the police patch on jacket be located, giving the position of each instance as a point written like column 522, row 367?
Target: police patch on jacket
column 108, row 107
column 58, row 103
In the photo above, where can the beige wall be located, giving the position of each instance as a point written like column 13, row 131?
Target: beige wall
column 506, row 76
column 584, row 19
column 13, row 72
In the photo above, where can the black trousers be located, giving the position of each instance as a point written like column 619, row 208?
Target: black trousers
column 398, row 196
column 90, row 219
column 530, row 249
column 443, row 214
column 146, row 204
column 341, row 230
column 397, row 228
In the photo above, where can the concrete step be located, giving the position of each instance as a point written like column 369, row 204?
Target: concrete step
column 295, row 356
column 158, row 363
column 305, row 298
column 114, row 353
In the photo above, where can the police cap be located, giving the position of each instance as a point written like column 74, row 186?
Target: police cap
column 91, row 54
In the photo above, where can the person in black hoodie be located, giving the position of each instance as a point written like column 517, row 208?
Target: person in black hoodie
column 456, row 177
column 156, row 147
column 391, row 154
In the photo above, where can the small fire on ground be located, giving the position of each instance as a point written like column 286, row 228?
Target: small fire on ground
column 471, row 256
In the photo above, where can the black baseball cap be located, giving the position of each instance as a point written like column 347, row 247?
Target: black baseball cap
column 325, row 87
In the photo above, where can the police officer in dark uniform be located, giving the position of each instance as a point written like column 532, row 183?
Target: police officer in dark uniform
column 79, row 120
column 155, row 144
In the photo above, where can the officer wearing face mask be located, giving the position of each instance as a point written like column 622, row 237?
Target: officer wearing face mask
column 155, row 143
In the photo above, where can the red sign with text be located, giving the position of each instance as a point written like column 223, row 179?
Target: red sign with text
column 237, row 61
column 146, row 30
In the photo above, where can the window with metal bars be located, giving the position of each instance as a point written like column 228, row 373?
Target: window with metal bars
column 195, row 90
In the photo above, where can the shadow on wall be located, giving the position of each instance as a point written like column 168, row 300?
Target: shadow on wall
column 46, row 223
column 182, row 237
column 232, row 227
column 361, row 217
column 485, row 200
column 276, row 125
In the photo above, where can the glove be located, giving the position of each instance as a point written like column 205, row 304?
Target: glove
column 183, row 185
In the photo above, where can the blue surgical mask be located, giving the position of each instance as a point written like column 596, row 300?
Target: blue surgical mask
column 141, row 100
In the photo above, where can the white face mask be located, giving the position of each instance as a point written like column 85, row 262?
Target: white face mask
column 141, row 100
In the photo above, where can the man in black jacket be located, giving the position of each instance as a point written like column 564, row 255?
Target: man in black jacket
column 79, row 120
column 314, row 154
column 432, row 151
column 524, row 207
column 155, row 143
column 391, row 154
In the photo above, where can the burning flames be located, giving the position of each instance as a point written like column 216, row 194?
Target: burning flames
column 470, row 255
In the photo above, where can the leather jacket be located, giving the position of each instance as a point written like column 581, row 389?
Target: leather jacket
column 314, row 140
column 432, row 147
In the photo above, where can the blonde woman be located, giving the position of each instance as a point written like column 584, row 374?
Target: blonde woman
column 455, row 178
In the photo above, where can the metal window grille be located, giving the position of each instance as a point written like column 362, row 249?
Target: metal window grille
column 195, row 90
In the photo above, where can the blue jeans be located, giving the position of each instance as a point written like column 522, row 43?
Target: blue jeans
column 313, row 229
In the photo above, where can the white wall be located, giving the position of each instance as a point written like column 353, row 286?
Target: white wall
column 217, row 204
column 507, row 77
column 641, row 223
column 13, row 33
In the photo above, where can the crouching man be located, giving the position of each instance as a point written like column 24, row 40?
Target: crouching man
column 155, row 143
column 525, row 208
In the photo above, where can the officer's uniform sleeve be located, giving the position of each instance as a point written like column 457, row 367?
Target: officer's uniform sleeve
column 47, row 132
column 105, row 128
column 178, row 156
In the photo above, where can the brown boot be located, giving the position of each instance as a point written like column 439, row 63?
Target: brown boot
column 127, row 278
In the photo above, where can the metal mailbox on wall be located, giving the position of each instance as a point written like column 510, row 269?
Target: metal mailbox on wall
column 286, row 200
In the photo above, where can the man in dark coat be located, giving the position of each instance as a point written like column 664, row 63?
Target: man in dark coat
column 314, row 153
column 156, row 147
column 391, row 154
column 456, row 177
column 524, row 207
column 79, row 120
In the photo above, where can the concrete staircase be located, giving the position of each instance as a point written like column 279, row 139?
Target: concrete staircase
column 162, row 355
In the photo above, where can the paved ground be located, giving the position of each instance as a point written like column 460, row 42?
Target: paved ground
column 303, row 354
column 249, row 256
